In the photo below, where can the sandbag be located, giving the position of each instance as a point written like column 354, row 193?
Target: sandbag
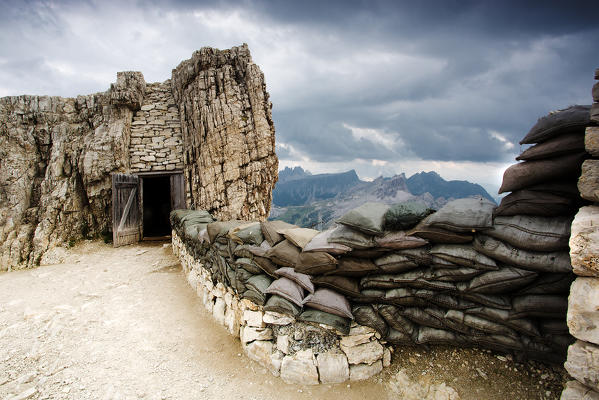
column 528, row 173
column 342, row 284
column 539, row 203
column 249, row 233
column 399, row 338
column 463, row 215
column 270, row 230
column 418, row 278
column 373, row 252
column 395, row 262
column 366, row 315
column 242, row 275
column 554, row 326
column 259, row 283
column 370, row 296
column 287, row 289
column 460, row 274
column 422, row 317
column 566, row 188
column 351, row 238
column 368, row 218
column 329, row 301
column 320, row 242
column 550, row 284
column 420, row 256
column 489, row 300
column 555, row 147
column 533, row 233
column 536, row 261
column 463, row 255
column 348, row 266
column 299, row 236
column 428, row 335
column 315, row 263
column 219, row 229
column 438, row 235
column 284, row 253
column 392, row 316
column 538, row 305
column 403, row 297
column 301, row 279
column 320, row 317
column 266, row 265
column 521, row 325
column 405, row 215
column 505, row 280
column 399, row 240
column 480, row 324
column 281, row 305
column 571, row 119
column 254, row 296
column 444, row 300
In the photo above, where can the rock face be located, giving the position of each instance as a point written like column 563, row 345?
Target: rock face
column 228, row 133
column 212, row 120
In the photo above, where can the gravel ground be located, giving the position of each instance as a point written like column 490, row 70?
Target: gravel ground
column 122, row 323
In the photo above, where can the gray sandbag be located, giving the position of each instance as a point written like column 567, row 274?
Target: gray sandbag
column 460, row 274
column 463, row 215
column 571, row 119
column 281, row 305
column 478, row 323
column 463, row 255
column 254, row 296
column 259, row 283
column 489, row 300
column 320, row 317
column 522, row 325
column 399, row 240
column 554, row 326
column 558, row 146
column 444, row 300
column 368, row 218
column 539, row 203
column 399, row 338
column 300, row 237
column 249, row 233
column 395, row 262
column 248, row 265
column 301, row 279
column 342, row 284
column 368, row 253
column 370, row 296
column 287, row 289
column 221, row 228
column 438, row 235
column 550, row 284
column 496, row 342
column 403, row 297
column 567, row 188
column 528, row 173
column 420, row 256
column 366, row 315
column 351, row 238
column 348, row 266
column 242, row 275
column 266, row 265
column 192, row 231
column 315, row 263
column 320, row 243
column 329, row 301
column 391, row 314
column 270, row 230
column 539, row 305
column 405, row 215
column 505, row 280
column 533, row 233
column 284, row 253
column 536, row 261
column 422, row 317
column 221, row 249
column 176, row 215
column 427, row 335
column 418, row 278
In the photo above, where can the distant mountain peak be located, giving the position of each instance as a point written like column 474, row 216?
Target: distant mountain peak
column 291, row 174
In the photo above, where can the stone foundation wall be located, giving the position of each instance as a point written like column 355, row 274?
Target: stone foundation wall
column 298, row 352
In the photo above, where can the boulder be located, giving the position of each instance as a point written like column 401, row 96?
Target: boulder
column 332, row 367
column 584, row 242
column 300, row 368
column 583, row 363
column 361, row 372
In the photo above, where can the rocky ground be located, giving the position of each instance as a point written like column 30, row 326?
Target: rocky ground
column 123, row 324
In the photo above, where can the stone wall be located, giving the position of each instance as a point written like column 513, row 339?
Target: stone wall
column 583, row 302
column 156, row 140
column 228, row 133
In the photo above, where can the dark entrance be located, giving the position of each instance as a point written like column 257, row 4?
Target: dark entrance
column 156, row 206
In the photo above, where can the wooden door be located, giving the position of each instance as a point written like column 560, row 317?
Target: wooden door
column 126, row 216
column 177, row 192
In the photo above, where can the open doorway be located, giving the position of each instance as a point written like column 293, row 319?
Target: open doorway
column 156, row 206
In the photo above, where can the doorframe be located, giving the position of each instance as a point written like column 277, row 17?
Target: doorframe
column 153, row 174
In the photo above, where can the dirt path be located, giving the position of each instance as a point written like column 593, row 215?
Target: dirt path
column 123, row 324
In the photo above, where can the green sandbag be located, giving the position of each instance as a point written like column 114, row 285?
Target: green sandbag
column 247, row 234
column 248, row 265
column 463, row 255
column 259, row 283
column 368, row 218
column 395, row 320
column 398, row 338
column 196, row 217
column 255, row 296
column 405, row 215
column 219, row 229
column 321, row 317
column 463, row 215
column 366, row 315
column 280, row 305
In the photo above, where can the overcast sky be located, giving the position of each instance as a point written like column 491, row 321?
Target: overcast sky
column 383, row 87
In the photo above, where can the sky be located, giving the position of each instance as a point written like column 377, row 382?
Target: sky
column 379, row 86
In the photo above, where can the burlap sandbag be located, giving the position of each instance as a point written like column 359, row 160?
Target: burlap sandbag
column 392, row 315
column 460, row 274
column 571, row 119
column 348, row 266
column 299, row 236
column 479, row 323
column 266, row 265
column 366, row 315
column 395, row 262
column 438, row 235
column 537, row 261
column 463, row 215
column 558, row 146
column 270, row 230
column 418, row 278
column 537, row 203
column 368, row 218
column 342, row 284
column 351, row 238
column 249, row 233
column 528, row 173
column 404, row 297
column 505, row 280
column 284, row 253
column 550, row 284
column 219, row 229
column 554, row 326
column 444, row 300
column 327, row 319
column 287, row 289
column 522, row 325
column 370, row 296
column 301, row 279
column 405, row 215
column 539, row 305
column 281, row 305
column 533, row 233
column 315, row 263
column 329, row 301
column 489, row 300
column 428, row 335
column 421, row 317
column 463, row 255
column 399, row 338
column 320, row 242
column 249, row 265
column 399, row 240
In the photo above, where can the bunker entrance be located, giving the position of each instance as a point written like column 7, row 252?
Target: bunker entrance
column 156, row 206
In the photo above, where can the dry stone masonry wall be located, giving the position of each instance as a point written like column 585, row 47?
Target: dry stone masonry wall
column 156, row 140
column 58, row 154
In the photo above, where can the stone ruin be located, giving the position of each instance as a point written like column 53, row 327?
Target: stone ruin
column 210, row 126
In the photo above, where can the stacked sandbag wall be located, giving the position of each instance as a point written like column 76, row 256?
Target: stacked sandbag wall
column 583, row 303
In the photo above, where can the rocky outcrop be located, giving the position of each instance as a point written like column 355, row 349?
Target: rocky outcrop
column 228, row 133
